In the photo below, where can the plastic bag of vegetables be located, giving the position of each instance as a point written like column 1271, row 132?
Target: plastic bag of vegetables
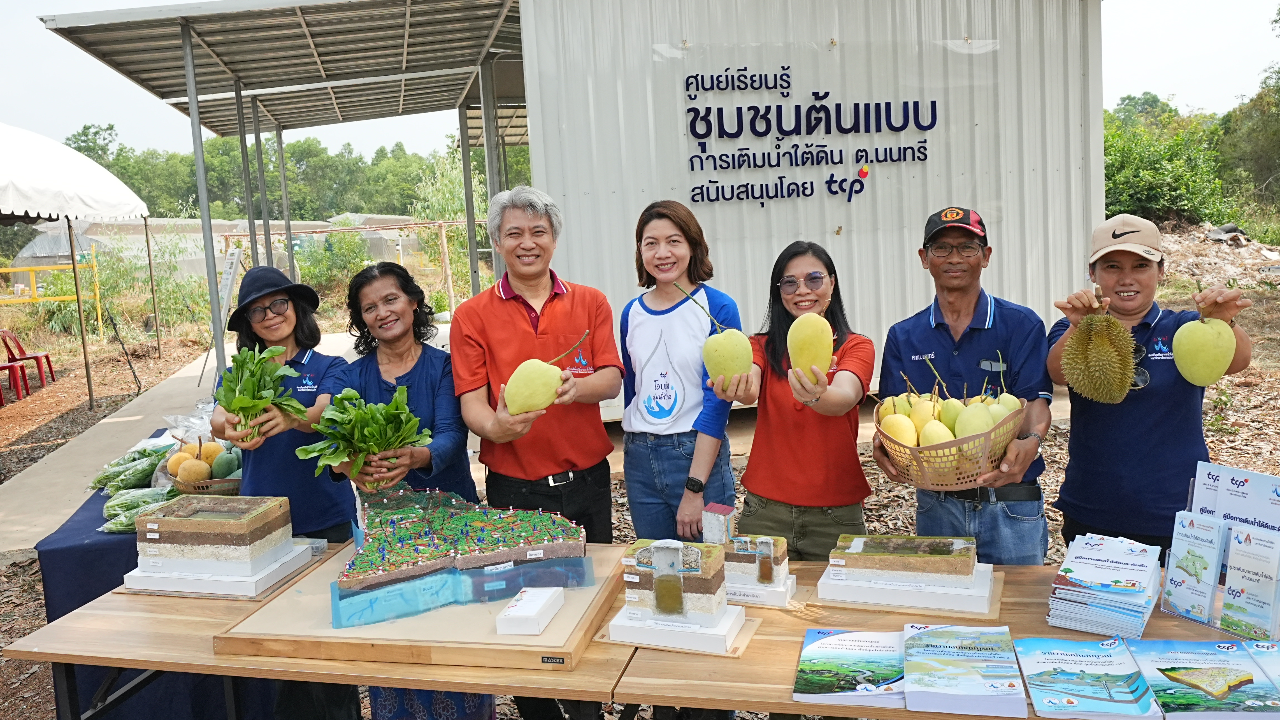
column 136, row 474
column 127, row 500
column 252, row 383
column 125, row 522
column 354, row 429
column 126, row 463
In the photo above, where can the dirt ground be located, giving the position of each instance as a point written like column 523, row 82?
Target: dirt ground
column 1240, row 429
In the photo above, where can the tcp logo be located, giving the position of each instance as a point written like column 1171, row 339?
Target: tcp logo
column 918, row 627
column 1177, row 583
column 1264, row 647
column 1227, row 647
column 1235, row 593
column 1239, row 482
column 1108, row 644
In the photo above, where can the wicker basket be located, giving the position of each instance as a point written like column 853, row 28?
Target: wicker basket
column 207, row 487
column 954, row 465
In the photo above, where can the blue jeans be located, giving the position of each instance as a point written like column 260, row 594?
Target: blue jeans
column 1008, row 533
column 656, row 467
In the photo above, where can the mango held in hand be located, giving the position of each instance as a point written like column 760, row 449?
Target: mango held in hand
column 951, row 408
column 534, row 383
column 726, row 354
column 922, row 412
column 1203, row 350
column 900, row 428
column 809, row 343
column 974, row 420
column 935, row 432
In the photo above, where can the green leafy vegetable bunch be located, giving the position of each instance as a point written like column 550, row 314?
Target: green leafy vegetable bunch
column 252, row 383
column 354, row 430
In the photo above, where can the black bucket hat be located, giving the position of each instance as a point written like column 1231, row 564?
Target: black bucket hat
column 264, row 280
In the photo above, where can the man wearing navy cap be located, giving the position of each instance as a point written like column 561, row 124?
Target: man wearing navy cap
column 979, row 344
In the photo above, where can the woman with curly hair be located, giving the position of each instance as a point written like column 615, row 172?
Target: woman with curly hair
column 392, row 322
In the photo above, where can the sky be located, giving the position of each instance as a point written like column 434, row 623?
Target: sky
column 1204, row 55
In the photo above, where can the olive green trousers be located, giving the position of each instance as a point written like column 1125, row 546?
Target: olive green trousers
column 811, row 532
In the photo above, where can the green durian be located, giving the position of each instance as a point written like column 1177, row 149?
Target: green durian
column 1098, row 359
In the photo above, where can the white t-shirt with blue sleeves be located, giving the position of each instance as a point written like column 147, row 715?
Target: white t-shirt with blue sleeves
column 665, row 390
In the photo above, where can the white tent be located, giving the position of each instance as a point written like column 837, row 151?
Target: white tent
column 41, row 178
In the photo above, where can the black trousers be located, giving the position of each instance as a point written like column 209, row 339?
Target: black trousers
column 312, row 700
column 1071, row 528
column 587, row 501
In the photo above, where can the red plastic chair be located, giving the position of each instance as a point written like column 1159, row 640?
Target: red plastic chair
column 22, row 355
column 15, row 371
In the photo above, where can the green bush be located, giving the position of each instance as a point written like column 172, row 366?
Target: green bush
column 1164, row 168
column 328, row 262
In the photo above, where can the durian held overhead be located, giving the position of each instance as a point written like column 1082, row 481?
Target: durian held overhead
column 726, row 353
column 534, row 383
column 1097, row 360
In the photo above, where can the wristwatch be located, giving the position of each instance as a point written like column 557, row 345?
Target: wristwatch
column 1036, row 435
column 693, row 484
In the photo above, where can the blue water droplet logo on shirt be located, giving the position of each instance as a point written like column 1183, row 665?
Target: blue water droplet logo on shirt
column 661, row 383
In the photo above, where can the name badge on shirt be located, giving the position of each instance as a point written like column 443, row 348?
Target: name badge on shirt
column 993, row 366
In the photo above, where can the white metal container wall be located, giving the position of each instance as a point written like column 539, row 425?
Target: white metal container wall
column 1018, row 138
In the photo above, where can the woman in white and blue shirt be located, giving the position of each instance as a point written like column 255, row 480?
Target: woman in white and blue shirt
column 676, row 456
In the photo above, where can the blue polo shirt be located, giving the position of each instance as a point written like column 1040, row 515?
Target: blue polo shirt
column 999, row 331
column 429, row 386
column 274, row 470
column 1129, row 465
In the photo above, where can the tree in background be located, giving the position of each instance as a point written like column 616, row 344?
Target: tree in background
column 1251, row 142
column 439, row 196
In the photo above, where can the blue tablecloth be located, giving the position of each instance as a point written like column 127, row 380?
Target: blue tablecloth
column 79, row 564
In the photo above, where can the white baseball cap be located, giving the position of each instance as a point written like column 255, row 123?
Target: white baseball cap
column 1130, row 233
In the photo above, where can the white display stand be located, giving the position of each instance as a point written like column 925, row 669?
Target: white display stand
column 529, row 612
column 233, row 585
column 976, row 599
column 190, row 566
column 755, row 594
column 679, row 636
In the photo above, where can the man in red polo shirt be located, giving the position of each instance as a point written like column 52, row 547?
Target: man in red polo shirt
column 557, row 462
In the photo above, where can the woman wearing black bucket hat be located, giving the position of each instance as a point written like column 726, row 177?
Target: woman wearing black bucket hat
column 272, row 311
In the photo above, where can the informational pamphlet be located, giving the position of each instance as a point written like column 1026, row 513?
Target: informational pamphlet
column 1089, row 679
column 1249, row 595
column 1106, row 586
column 1214, row 679
column 1204, row 489
column 1193, row 566
column 965, row 670
column 1245, row 497
column 1267, row 655
column 843, row 667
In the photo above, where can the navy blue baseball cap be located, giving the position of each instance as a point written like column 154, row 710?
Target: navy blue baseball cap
column 265, row 280
column 957, row 217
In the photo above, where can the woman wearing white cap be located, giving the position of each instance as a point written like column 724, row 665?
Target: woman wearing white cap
column 1130, row 463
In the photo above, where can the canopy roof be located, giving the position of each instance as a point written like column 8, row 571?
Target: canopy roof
column 307, row 62
column 42, row 178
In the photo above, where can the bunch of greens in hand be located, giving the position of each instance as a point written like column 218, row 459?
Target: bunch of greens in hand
column 252, row 383
column 354, row 430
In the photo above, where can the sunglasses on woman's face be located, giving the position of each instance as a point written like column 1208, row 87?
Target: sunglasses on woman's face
column 278, row 306
column 1141, row 378
column 789, row 285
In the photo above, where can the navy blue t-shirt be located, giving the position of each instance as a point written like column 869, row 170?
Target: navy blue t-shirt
column 1000, row 331
column 431, row 399
column 1129, row 465
column 274, row 470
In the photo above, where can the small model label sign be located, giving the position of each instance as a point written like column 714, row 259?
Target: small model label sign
column 628, row 577
column 532, row 554
column 551, row 660
column 500, row 567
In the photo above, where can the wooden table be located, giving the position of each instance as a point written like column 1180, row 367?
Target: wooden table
column 176, row 634
column 761, row 680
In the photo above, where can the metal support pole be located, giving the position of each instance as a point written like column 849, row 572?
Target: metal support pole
column 492, row 150
column 97, row 289
column 66, row 693
column 444, row 264
column 262, row 188
column 202, row 193
column 284, row 203
column 84, row 342
column 151, row 271
column 473, row 252
column 244, row 176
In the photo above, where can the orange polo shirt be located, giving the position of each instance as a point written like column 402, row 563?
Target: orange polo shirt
column 493, row 332
column 799, row 456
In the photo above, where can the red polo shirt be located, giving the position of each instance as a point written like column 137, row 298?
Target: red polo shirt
column 799, row 456
column 495, row 331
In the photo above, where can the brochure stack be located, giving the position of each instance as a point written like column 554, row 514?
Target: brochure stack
column 966, row 670
column 1193, row 567
column 1249, row 594
column 842, row 667
column 1105, row 586
column 1090, row 679
column 1214, row 679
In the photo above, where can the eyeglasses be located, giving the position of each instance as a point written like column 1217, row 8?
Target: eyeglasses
column 941, row 249
column 278, row 306
column 1141, row 378
column 790, row 285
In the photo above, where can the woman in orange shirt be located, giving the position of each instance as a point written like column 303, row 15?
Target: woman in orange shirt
column 804, row 480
